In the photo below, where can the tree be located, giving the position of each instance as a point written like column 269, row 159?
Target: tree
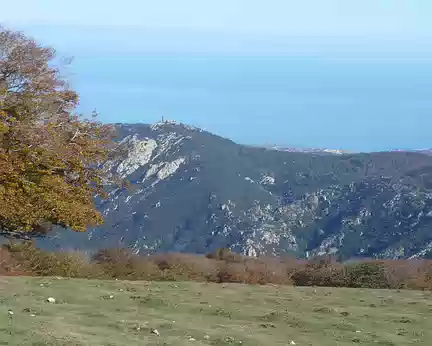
column 50, row 157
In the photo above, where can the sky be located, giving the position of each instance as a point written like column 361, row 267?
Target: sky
column 112, row 41
column 272, row 17
column 230, row 26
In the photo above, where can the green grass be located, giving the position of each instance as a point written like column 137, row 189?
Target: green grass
column 211, row 314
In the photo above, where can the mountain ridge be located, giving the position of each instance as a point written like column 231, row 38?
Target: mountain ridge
column 193, row 191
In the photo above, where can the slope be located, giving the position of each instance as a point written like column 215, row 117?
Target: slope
column 194, row 192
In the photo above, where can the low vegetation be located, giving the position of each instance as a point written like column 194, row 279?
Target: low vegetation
column 223, row 266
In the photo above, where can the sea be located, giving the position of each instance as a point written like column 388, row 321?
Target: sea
column 352, row 104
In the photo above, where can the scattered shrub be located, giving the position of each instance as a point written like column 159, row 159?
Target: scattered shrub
column 24, row 258
column 43, row 263
column 123, row 264
column 224, row 254
column 366, row 274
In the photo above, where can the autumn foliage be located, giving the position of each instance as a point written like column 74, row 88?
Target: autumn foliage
column 222, row 266
column 49, row 155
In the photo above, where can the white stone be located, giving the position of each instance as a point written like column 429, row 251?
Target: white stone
column 51, row 300
column 155, row 332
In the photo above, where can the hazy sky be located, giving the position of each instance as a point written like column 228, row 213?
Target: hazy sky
column 230, row 25
column 286, row 17
column 368, row 87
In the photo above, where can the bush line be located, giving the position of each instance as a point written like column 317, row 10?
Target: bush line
column 222, row 266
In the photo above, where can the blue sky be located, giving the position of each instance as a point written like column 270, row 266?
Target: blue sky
column 353, row 74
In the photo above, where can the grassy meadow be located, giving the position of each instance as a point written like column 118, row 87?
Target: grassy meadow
column 95, row 312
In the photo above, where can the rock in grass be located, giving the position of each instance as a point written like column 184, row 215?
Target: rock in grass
column 51, row 300
column 108, row 297
column 155, row 332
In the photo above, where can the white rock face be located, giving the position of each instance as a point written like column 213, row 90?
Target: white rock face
column 168, row 142
column 139, row 154
column 249, row 179
column 251, row 252
column 267, row 180
column 423, row 252
column 270, row 237
column 161, row 124
column 170, row 168
column 153, row 170
column 163, row 170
